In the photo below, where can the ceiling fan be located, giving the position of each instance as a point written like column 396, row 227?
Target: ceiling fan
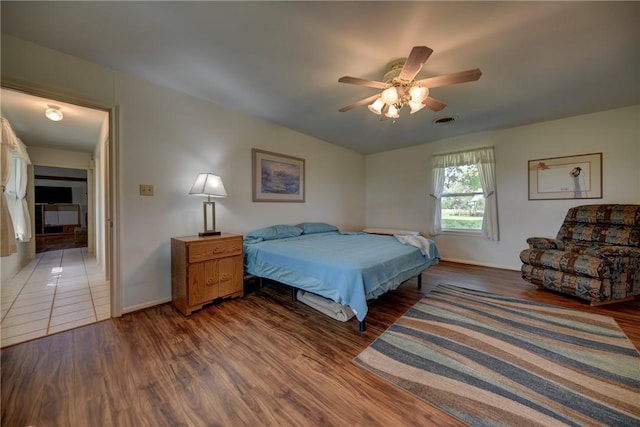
column 400, row 87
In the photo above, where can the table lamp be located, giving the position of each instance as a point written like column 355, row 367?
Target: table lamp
column 210, row 185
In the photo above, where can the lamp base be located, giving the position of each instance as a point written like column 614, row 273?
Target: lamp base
column 209, row 233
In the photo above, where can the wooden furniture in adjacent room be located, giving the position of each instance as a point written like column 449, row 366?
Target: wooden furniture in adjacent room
column 56, row 226
column 204, row 269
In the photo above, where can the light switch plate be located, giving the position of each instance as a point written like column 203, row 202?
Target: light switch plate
column 146, row 190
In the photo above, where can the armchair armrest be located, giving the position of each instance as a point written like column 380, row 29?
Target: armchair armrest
column 605, row 251
column 543, row 243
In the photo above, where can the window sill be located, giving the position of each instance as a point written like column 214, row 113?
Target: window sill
column 466, row 233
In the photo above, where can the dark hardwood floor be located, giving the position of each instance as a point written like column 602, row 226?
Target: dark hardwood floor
column 260, row 360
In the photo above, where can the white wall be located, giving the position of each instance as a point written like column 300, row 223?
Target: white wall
column 399, row 181
column 10, row 265
column 168, row 138
column 165, row 139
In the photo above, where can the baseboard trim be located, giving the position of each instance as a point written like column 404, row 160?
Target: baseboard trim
column 138, row 307
column 481, row 264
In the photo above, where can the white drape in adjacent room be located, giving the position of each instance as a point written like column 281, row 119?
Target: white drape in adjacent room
column 7, row 234
column 15, row 221
column 16, row 194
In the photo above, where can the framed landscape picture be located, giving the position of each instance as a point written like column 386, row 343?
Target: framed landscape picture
column 569, row 177
column 277, row 177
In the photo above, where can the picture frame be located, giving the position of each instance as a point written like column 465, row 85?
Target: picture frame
column 277, row 177
column 568, row 177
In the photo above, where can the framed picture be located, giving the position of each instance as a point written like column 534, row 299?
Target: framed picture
column 277, row 177
column 569, row 177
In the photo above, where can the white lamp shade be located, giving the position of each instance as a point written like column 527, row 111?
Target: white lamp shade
column 390, row 95
column 376, row 107
column 416, row 106
column 392, row 112
column 418, row 94
column 208, row 184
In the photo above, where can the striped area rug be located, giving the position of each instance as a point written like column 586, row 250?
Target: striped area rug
column 493, row 360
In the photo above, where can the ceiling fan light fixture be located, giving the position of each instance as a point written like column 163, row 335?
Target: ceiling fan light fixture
column 416, row 106
column 392, row 112
column 418, row 93
column 53, row 113
column 376, row 106
column 390, row 95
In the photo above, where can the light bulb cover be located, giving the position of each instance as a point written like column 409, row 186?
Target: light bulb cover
column 53, row 113
column 390, row 95
column 418, row 94
column 392, row 112
column 376, row 106
column 416, row 106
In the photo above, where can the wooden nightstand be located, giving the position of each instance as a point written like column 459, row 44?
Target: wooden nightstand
column 204, row 269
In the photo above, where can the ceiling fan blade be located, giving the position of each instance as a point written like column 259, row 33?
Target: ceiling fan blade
column 360, row 103
column 417, row 58
column 362, row 82
column 451, row 79
column 434, row 104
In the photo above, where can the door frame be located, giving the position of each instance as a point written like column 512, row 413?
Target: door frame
column 111, row 205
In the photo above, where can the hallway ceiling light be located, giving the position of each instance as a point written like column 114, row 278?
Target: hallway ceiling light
column 53, row 113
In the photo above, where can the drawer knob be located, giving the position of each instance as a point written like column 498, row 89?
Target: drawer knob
column 225, row 277
column 209, row 281
column 218, row 250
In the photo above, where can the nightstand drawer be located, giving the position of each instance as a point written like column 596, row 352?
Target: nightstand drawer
column 203, row 251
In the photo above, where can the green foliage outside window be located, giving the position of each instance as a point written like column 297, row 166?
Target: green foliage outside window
column 462, row 201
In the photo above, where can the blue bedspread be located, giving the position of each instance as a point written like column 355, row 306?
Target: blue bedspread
column 348, row 268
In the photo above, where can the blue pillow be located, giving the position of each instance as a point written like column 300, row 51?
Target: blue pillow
column 316, row 227
column 273, row 232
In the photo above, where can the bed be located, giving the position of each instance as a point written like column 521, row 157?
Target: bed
column 345, row 267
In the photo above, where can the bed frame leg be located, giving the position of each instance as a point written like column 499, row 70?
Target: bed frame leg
column 260, row 282
column 361, row 327
column 420, row 281
column 294, row 296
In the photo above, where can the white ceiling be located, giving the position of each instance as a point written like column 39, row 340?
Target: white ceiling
column 79, row 130
column 280, row 61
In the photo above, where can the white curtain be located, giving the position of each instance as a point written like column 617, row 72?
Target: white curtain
column 16, row 194
column 7, row 234
column 438, row 187
column 16, row 222
column 487, row 170
column 484, row 159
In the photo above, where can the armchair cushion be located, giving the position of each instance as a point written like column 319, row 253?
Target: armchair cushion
column 544, row 243
column 567, row 262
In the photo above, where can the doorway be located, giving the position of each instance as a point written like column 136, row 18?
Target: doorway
column 66, row 279
column 61, row 209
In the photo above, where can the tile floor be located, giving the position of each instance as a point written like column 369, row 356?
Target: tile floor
column 57, row 291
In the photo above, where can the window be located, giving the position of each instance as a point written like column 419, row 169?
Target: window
column 462, row 199
column 464, row 189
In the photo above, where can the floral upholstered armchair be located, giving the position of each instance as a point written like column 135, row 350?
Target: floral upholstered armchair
column 595, row 256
